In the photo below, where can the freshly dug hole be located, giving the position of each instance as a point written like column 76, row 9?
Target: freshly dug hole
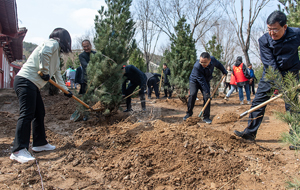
column 225, row 118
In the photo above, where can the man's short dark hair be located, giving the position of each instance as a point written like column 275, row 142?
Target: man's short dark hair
column 64, row 39
column 205, row 55
column 86, row 40
column 165, row 64
column 277, row 16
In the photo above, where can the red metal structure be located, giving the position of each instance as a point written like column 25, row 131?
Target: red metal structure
column 11, row 42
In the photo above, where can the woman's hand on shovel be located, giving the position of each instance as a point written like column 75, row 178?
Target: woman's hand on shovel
column 69, row 95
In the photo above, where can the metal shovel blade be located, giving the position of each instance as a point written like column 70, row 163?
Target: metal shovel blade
column 75, row 116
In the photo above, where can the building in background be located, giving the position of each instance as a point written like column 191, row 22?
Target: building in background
column 11, row 42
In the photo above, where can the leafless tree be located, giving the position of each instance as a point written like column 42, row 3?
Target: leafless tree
column 150, row 33
column 200, row 14
column 239, row 24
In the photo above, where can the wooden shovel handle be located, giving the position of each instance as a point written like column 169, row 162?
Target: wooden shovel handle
column 131, row 94
column 65, row 91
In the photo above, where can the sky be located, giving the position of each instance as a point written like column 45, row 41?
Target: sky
column 41, row 17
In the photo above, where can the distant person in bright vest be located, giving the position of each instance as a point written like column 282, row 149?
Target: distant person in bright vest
column 279, row 50
column 252, row 79
column 242, row 77
column 27, row 84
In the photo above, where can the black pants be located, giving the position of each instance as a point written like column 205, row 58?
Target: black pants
column 82, row 88
column 31, row 110
column 256, row 117
column 194, row 87
column 130, row 89
column 252, row 87
column 152, row 82
column 227, row 85
column 167, row 88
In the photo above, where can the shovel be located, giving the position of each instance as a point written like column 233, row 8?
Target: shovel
column 66, row 92
column 262, row 104
column 206, row 104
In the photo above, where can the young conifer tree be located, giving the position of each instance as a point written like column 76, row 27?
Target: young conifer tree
column 182, row 58
column 114, row 44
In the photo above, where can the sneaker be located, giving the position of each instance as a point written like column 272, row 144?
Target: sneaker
column 186, row 116
column 244, row 135
column 207, row 120
column 43, row 148
column 22, row 156
column 249, row 102
column 197, row 98
column 292, row 147
column 226, row 98
column 242, row 103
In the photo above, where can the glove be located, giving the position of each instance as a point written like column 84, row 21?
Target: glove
column 69, row 95
column 45, row 77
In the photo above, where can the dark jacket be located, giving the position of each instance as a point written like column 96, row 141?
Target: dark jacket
column 150, row 75
column 281, row 54
column 135, row 76
column 202, row 75
column 166, row 73
column 84, row 59
column 78, row 76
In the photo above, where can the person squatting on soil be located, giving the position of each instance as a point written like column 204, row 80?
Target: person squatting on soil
column 45, row 58
column 242, row 77
column 167, row 86
column 199, row 79
column 252, row 79
column 227, row 79
column 279, row 50
column 137, row 78
column 152, row 83
column 84, row 59
column 233, row 87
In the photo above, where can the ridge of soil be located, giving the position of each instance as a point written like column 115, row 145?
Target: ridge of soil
column 149, row 150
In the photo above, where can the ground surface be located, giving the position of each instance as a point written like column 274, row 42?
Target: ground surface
column 152, row 150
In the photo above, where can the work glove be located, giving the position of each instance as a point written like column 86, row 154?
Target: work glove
column 69, row 95
column 45, row 77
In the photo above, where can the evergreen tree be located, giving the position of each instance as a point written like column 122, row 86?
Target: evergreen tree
column 292, row 8
column 181, row 59
column 114, row 44
column 216, row 50
column 137, row 60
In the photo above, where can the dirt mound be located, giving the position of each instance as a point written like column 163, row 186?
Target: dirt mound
column 192, row 121
column 225, row 118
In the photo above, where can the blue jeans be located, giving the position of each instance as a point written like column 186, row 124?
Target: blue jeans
column 241, row 94
column 233, row 87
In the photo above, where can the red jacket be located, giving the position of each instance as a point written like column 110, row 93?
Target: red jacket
column 238, row 73
column 232, row 80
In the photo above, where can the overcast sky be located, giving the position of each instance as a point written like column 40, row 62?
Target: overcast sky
column 40, row 17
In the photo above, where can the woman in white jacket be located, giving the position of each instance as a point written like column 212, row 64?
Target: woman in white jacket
column 45, row 58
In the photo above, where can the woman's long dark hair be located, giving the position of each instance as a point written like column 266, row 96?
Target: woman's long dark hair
column 64, row 39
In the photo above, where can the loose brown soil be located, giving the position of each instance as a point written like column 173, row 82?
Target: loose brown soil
column 149, row 150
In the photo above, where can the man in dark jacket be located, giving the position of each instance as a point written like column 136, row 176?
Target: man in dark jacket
column 84, row 59
column 279, row 50
column 252, row 79
column 167, row 86
column 137, row 78
column 199, row 79
column 242, row 77
column 152, row 82
column 78, row 78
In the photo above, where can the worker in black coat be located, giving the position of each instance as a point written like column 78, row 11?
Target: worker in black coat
column 279, row 50
column 199, row 79
column 167, row 86
column 136, row 78
column 78, row 78
column 152, row 82
column 84, row 59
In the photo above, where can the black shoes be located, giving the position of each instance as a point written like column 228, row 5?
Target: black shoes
column 207, row 120
column 292, row 147
column 128, row 110
column 186, row 116
column 244, row 136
